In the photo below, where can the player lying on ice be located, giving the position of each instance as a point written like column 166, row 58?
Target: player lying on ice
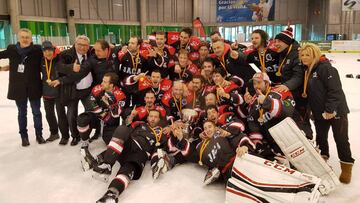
column 132, row 147
column 219, row 149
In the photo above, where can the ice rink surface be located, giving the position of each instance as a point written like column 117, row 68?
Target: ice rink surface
column 52, row 174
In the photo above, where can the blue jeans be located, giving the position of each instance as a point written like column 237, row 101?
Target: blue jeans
column 22, row 116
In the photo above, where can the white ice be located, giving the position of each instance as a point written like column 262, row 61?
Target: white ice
column 52, row 173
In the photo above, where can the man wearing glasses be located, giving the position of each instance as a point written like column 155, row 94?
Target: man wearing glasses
column 74, row 90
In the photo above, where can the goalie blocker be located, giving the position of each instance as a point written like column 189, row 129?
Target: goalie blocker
column 256, row 179
column 302, row 154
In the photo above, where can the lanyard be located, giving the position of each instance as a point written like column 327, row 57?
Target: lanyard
column 194, row 100
column 222, row 62
column 262, row 60
column 278, row 73
column 135, row 61
column 47, row 68
column 202, row 149
column 181, row 75
column 157, row 135
column 306, row 79
column 177, row 106
column 261, row 110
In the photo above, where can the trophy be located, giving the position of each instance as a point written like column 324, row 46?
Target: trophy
column 188, row 116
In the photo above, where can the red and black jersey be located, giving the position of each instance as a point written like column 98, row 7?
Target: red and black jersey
column 191, row 47
column 146, row 138
column 229, row 122
column 275, row 108
column 115, row 99
column 270, row 59
column 163, row 62
column 174, row 106
column 186, row 74
column 181, row 147
column 143, row 112
column 132, row 65
column 234, row 91
column 139, row 88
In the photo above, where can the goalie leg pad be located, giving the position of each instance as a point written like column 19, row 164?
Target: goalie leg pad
column 259, row 180
column 299, row 151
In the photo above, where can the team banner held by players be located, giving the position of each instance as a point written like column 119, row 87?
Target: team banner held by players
column 245, row 10
column 350, row 5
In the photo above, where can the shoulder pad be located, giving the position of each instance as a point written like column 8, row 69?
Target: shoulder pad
column 166, row 98
column 119, row 95
column 194, row 42
column 144, row 53
column 193, row 56
column 161, row 110
column 165, row 84
column 223, row 117
column 249, row 51
column 97, row 90
column 170, row 49
column 135, row 124
column 193, row 69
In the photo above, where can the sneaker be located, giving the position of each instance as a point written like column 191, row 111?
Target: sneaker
column 53, row 137
column 87, row 160
column 109, row 197
column 25, row 142
column 211, row 176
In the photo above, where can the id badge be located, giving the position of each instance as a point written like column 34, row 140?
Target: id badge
column 21, row 68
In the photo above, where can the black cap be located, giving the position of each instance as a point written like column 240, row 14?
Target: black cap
column 47, row 45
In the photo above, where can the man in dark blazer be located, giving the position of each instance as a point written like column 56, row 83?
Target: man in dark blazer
column 75, row 86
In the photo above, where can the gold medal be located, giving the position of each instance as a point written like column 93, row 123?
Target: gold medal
column 304, row 95
column 48, row 70
column 278, row 74
column 157, row 135
column 142, row 79
column 261, row 120
column 202, row 149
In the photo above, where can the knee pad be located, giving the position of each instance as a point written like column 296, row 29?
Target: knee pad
column 122, row 132
column 83, row 119
column 83, row 122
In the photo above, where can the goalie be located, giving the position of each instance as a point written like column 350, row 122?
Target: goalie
column 266, row 108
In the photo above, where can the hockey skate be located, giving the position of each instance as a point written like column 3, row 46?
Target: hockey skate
column 211, row 176
column 102, row 172
column 109, row 197
column 162, row 165
column 87, row 160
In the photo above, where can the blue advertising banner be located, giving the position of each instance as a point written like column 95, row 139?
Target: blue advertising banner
column 245, row 10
